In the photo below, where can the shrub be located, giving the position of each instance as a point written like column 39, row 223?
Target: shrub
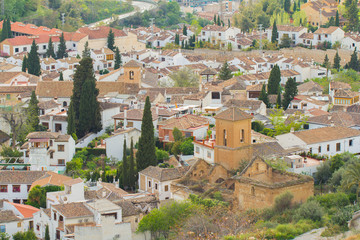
column 283, row 202
column 310, row 210
column 331, row 230
column 218, row 196
column 338, row 200
column 343, row 215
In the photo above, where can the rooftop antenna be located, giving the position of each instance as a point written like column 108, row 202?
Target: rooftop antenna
column 260, row 30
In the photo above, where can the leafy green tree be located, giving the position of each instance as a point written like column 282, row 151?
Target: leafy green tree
column 47, row 234
column 257, row 126
column 323, row 173
column 24, row 64
column 117, row 59
column 145, row 155
column 185, row 30
column 187, row 147
column 274, row 80
column 50, row 49
column 185, row 77
column 61, row 77
column 354, row 62
column 4, row 236
column 32, row 114
column 264, row 96
column 89, row 109
column 37, row 195
column 61, row 53
column 310, row 210
column 111, row 40
column 351, row 178
column 285, row 42
column 132, row 170
column 337, row 22
column 86, row 51
column 290, row 92
column 33, row 61
column 274, row 33
column 125, row 167
column 177, row 134
column 352, row 13
column 337, row 60
column 225, row 72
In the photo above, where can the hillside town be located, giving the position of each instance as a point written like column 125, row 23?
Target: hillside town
column 180, row 120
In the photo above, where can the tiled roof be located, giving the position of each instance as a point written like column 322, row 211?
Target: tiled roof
column 248, row 104
column 326, row 134
column 341, row 119
column 42, row 39
column 26, row 210
column 345, row 93
column 328, row 30
column 208, row 71
column 73, row 181
column 185, row 122
column 214, row 28
column 134, row 114
column 109, row 105
column 353, row 108
column 309, row 87
column 31, row 29
column 233, row 114
column 48, row 104
column 132, row 64
column 17, row 89
column 164, row 174
column 338, row 85
column 51, row 178
column 101, row 32
column 8, row 216
column 289, row 28
column 20, row 177
column 72, row 210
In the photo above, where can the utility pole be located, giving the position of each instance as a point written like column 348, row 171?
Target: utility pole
column 260, row 30
column 152, row 30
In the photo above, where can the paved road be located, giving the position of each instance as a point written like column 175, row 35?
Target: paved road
column 139, row 7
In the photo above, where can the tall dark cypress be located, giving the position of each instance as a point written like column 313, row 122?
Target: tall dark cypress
column 9, row 34
column 61, row 77
column 111, row 40
column 185, row 30
column 337, row 20
column 50, row 50
column 33, row 60
column 117, row 58
column 274, row 80
column 145, row 155
column 278, row 99
column 71, row 119
column 264, row 96
column 337, row 60
column 354, row 62
column 61, row 53
column 32, row 114
column 290, row 92
column 24, row 64
column 4, row 30
column 125, row 167
column 274, row 33
column 132, row 171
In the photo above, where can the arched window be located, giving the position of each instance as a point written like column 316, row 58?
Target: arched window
column 64, row 104
column 131, row 75
column 252, row 191
column 225, row 138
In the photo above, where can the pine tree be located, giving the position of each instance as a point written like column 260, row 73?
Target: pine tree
column 337, row 60
column 185, row 30
column 274, row 80
column 32, row 114
column 89, row 109
column 145, row 155
column 290, row 92
column 111, row 40
column 86, row 51
column 354, row 62
column 177, row 39
column 33, row 60
column 47, row 234
column 274, row 33
column 50, row 50
column 24, row 64
column 225, row 72
column 337, row 21
column 125, row 168
column 353, row 17
column 278, row 98
column 117, row 58
column 132, row 172
column 61, row 77
column 61, row 53
column 264, row 96
column 326, row 62
column 287, row 4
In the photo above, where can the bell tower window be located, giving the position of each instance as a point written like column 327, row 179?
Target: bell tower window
column 131, row 75
column 225, row 138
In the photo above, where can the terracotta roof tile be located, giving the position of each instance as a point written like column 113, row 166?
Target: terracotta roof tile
column 101, row 32
column 165, row 174
column 185, row 122
column 8, row 216
column 20, row 177
column 233, row 114
column 26, row 210
column 72, row 210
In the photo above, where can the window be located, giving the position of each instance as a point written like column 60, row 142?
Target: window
column 149, row 183
column 2, row 228
column 51, row 155
column 187, row 134
column 319, row 149
column 197, row 149
column 242, row 135
column 131, row 75
column 37, row 227
column 16, row 188
column 61, row 162
column 252, row 191
column 28, row 188
column 44, row 46
column 17, row 201
column 19, row 225
column 225, row 138
column 215, row 95
column 350, row 142
column 338, row 147
column 16, row 50
column 61, row 148
column 208, row 154
column 54, row 216
column 219, row 34
column 3, row 188
column 156, row 186
column 310, row 150
column 25, row 49
column 328, row 148
column 166, row 188
column 129, row 124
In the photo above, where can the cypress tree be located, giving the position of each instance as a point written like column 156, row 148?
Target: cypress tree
column 145, row 155
column 125, row 168
column 24, row 64
column 182, row 44
column 225, row 72
column 353, row 17
column 274, row 33
column 185, row 30
column 4, row 31
column 33, row 60
column 326, row 61
column 111, row 40
column 229, row 22
column 294, row 7
column 287, row 4
column 218, row 21
column 354, row 63
column 50, row 51
column 337, row 60
column 61, row 78
column 290, row 92
column 61, row 53
column 71, row 119
column 264, row 96
column 274, row 80
column 9, row 35
column 117, row 58
column 337, row 21
column 215, row 19
column 47, row 234
column 278, row 98
column 177, row 39
column 32, row 114
column 86, row 51
column 132, row 171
